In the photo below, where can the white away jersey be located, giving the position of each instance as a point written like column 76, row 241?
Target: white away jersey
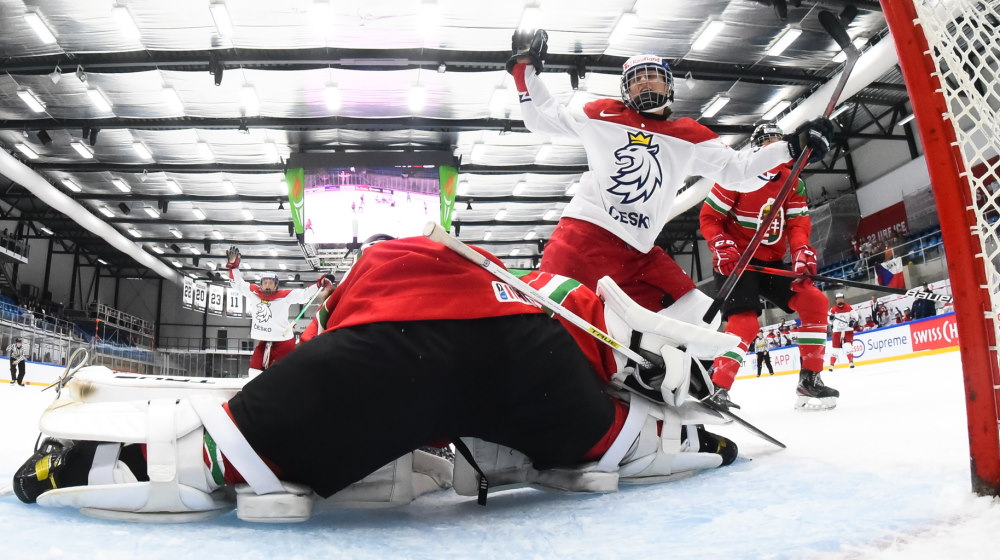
column 841, row 318
column 637, row 164
column 269, row 312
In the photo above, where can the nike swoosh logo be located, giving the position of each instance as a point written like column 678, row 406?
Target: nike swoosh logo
column 603, row 114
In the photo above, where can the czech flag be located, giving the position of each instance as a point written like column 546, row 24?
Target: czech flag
column 890, row 273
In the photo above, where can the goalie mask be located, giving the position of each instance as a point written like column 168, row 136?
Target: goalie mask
column 647, row 83
column 269, row 283
column 765, row 134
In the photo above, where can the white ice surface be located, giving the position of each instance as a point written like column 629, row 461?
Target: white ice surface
column 884, row 476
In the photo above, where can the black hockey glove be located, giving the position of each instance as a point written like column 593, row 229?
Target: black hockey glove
column 528, row 48
column 326, row 280
column 232, row 257
column 816, row 134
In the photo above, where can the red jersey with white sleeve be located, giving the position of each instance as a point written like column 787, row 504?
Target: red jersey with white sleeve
column 842, row 317
column 397, row 275
column 737, row 215
column 637, row 163
column 269, row 312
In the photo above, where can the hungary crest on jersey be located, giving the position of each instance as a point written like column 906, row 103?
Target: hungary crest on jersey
column 639, row 173
column 777, row 227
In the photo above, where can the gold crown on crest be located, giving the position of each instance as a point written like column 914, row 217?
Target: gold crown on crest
column 639, row 138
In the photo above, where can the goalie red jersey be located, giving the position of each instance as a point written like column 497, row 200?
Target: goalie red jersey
column 433, row 272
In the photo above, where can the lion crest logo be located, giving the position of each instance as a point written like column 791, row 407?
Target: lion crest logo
column 639, row 173
column 263, row 312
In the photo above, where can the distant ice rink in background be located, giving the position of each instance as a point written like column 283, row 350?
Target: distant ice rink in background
column 885, row 475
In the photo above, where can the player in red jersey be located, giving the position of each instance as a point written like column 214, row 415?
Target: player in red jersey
column 729, row 219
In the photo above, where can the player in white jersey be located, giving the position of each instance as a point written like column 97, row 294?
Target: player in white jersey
column 638, row 160
column 269, row 310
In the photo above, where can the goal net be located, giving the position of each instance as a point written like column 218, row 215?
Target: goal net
column 949, row 53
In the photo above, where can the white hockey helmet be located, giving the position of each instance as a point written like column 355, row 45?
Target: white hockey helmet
column 839, row 295
column 765, row 132
column 647, row 69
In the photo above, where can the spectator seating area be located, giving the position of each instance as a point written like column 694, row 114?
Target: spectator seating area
column 914, row 248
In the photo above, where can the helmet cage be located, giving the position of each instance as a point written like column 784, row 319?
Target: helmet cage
column 640, row 67
column 765, row 132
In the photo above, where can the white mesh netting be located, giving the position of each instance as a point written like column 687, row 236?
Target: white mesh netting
column 963, row 37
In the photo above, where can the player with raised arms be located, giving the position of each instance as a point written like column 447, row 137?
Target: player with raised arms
column 638, row 157
column 269, row 307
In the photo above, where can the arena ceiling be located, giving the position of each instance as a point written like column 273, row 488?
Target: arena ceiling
column 194, row 106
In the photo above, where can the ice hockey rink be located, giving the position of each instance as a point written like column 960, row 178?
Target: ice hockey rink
column 884, row 475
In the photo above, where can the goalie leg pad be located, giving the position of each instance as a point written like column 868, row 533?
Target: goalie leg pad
column 100, row 384
column 395, row 484
column 655, row 450
column 177, row 490
column 293, row 505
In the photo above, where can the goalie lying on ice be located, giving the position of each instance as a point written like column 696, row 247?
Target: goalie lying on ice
column 417, row 345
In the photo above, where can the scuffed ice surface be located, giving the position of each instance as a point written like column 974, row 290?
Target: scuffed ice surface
column 885, row 476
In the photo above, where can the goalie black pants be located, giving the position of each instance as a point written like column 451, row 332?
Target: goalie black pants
column 349, row 401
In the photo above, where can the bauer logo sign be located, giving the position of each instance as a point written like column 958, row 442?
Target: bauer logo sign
column 938, row 332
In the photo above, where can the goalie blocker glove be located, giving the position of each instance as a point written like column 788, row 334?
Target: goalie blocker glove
column 816, row 134
column 534, row 48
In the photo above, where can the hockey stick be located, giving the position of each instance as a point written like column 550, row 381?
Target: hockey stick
column 832, row 26
column 434, row 232
column 914, row 292
column 291, row 325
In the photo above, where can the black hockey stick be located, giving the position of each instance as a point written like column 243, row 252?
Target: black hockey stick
column 914, row 292
column 832, row 26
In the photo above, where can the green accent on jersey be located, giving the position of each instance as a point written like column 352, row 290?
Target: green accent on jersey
column 735, row 356
column 559, row 294
column 562, row 285
column 801, row 188
column 746, row 224
column 215, row 467
column 716, row 206
column 811, row 340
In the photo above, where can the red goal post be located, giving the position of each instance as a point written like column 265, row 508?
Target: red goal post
column 948, row 53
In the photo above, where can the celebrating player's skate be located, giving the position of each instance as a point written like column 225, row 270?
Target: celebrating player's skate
column 729, row 219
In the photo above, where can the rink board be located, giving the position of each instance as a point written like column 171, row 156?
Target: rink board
column 923, row 337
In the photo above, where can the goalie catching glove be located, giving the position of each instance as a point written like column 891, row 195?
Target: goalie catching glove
column 816, row 134
column 530, row 49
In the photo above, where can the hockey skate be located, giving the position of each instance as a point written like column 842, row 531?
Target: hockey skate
column 813, row 394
